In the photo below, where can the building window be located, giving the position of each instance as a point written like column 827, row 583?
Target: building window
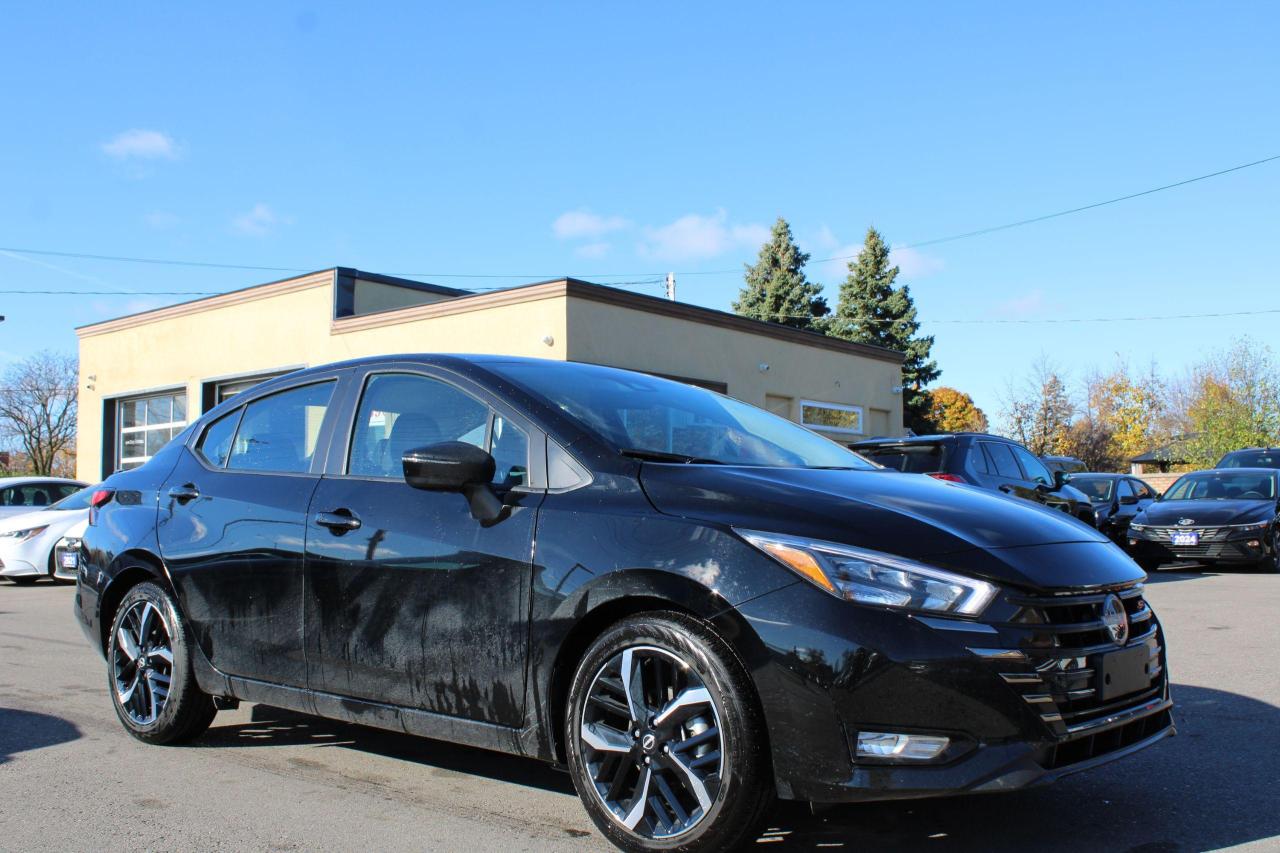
column 145, row 424
column 831, row 417
column 216, row 391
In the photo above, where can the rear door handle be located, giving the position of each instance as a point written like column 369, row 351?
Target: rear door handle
column 338, row 522
column 184, row 493
column 1006, row 489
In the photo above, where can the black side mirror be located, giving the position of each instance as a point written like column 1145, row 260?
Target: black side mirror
column 455, row 466
column 1059, row 479
column 1128, row 500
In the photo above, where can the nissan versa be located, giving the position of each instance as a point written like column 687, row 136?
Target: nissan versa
column 695, row 606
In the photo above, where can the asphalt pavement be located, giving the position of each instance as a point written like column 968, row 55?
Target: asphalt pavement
column 264, row 779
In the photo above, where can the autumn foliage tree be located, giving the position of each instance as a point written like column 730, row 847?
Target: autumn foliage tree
column 954, row 411
column 1230, row 401
column 1038, row 411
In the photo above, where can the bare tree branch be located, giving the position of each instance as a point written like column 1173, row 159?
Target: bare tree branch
column 38, row 411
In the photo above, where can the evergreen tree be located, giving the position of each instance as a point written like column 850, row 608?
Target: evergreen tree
column 776, row 289
column 871, row 310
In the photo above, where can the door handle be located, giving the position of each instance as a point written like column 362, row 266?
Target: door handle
column 184, row 493
column 339, row 521
column 1005, row 489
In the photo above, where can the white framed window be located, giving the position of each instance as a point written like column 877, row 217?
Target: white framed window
column 146, row 424
column 831, row 417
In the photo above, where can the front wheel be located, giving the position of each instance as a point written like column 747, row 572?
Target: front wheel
column 149, row 670
column 665, row 740
column 1271, row 564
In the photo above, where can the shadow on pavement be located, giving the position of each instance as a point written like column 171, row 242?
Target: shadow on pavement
column 278, row 727
column 1212, row 786
column 24, row 731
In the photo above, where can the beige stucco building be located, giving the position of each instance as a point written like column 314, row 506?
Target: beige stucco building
column 144, row 376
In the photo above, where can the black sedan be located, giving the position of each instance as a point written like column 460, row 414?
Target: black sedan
column 1116, row 499
column 1228, row 516
column 694, row 605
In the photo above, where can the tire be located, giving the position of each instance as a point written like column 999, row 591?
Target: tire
column 1148, row 564
column 148, row 627
column 1271, row 565
column 707, row 762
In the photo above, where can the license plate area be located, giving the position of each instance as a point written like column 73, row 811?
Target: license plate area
column 69, row 559
column 1189, row 537
column 1124, row 672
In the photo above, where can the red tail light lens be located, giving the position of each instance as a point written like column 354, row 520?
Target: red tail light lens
column 97, row 500
column 950, row 478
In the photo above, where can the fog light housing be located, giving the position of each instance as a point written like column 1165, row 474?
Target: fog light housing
column 1254, row 543
column 900, row 747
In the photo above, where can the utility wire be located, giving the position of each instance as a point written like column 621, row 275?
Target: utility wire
column 916, row 245
column 983, row 321
column 6, row 292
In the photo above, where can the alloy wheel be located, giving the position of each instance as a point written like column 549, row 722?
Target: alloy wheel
column 651, row 742
column 142, row 662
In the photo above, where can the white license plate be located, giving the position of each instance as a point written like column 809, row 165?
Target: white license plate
column 69, row 559
column 1189, row 538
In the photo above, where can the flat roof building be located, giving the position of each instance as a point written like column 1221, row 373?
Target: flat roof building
column 145, row 376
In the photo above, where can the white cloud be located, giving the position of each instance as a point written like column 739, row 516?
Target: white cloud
column 914, row 263
column 1033, row 303
column 138, row 144
column 257, row 222
column 574, row 224
column 161, row 219
column 593, row 250
column 693, row 236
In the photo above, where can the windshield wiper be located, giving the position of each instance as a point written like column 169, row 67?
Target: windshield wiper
column 662, row 456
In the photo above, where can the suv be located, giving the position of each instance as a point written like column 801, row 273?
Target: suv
column 982, row 460
column 719, row 607
column 1251, row 457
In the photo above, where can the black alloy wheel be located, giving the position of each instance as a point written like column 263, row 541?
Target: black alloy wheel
column 1271, row 563
column 149, row 670
column 664, row 739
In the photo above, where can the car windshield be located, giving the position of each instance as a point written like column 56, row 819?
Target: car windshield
column 1097, row 488
column 76, row 500
column 908, row 458
column 1224, row 486
column 661, row 420
column 1251, row 459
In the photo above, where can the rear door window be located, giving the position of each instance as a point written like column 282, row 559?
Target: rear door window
column 1033, row 467
column 1001, row 460
column 279, row 433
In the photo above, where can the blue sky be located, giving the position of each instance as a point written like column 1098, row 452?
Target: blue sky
column 538, row 140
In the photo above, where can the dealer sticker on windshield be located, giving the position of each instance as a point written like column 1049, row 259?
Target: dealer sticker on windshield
column 1186, row 537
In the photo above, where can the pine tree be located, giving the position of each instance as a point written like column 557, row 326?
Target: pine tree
column 776, row 289
column 872, row 311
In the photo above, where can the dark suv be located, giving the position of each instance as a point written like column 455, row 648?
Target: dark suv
column 719, row 608
column 983, row 460
column 1251, row 457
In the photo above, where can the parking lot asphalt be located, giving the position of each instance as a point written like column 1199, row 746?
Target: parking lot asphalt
column 264, row 779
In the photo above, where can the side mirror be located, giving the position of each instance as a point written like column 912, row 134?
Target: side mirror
column 1128, row 500
column 1059, row 479
column 455, row 466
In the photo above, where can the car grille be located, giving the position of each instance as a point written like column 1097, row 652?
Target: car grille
column 1062, row 641
column 1164, row 535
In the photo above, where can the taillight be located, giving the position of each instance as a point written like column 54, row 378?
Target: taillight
column 950, row 478
column 99, row 499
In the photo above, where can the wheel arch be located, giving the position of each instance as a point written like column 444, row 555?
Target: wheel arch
column 620, row 596
column 128, row 570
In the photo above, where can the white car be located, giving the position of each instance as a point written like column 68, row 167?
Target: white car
column 26, row 494
column 27, row 541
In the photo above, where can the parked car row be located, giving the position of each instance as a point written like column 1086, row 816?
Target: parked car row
column 36, row 514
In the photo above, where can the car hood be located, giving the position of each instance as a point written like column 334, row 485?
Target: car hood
column 1206, row 512
column 62, row 518
column 948, row 524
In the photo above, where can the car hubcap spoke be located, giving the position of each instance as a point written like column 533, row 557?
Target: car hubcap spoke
column 142, row 663
column 651, row 742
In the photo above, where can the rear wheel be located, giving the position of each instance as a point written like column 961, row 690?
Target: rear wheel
column 664, row 739
column 149, row 670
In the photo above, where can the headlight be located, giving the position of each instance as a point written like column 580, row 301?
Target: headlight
column 1252, row 529
column 24, row 535
column 870, row 577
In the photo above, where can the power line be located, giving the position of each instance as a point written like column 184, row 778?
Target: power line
column 21, row 292
column 983, row 321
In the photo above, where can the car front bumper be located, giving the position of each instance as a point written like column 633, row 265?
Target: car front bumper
column 1015, row 720
column 1236, row 550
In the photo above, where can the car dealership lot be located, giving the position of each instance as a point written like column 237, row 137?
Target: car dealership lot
column 70, row 778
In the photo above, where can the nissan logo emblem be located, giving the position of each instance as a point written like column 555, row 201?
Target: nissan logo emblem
column 648, row 742
column 1115, row 620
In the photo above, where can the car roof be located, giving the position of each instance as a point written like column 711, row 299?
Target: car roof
column 1252, row 450
column 932, row 439
column 1270, row 472
column 1079, row 475
column 6, row 482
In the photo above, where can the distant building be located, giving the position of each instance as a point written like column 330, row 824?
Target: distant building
column 145, row 376
column 1160, row 460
